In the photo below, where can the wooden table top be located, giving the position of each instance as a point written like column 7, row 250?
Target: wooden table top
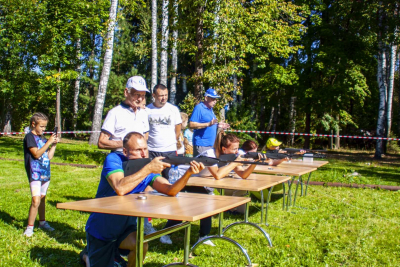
column 185, row 207
column 315, row 163
column 284, row 170
column 252, row 183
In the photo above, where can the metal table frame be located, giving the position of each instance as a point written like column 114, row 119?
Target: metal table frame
column 221, row 230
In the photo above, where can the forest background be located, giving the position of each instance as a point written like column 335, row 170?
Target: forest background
column 314, row 66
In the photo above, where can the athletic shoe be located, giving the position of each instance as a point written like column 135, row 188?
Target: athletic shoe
column 119, row 261
column 28, row 232
column 149, row 229
column 46, row 227
column 208, row 242
column 165, row 239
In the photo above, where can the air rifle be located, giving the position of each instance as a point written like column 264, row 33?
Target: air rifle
column 276, row 155
column 133, row 166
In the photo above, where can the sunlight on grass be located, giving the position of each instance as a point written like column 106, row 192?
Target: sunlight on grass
column 330, row 227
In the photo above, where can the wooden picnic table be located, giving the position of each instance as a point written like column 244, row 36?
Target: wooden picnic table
column 300, row 163
column 187, row 207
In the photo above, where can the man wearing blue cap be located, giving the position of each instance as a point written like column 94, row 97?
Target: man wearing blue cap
column 204, row 122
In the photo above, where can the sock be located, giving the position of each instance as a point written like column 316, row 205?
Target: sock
column 41, row 223
column 30, row 227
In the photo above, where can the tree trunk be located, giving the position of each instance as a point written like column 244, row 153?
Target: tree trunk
column 198, row 88
column 164, row 44
column 337, row 129
column 390, row 89
column 308, row 128
column 235, row 90
column 172, row 94
column 7, row 122
column 184, row 84
column 271, row 117
column 292, row 118
column 77, row 82
column 382, row 85
column 58, row 107
column 105, row 74
column 153, row 44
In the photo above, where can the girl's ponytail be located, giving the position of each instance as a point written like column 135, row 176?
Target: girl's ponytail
column 224, row 140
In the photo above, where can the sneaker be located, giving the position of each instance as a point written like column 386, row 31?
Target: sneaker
column 46, row 227
column 165, row 239
column 119, row 261
column 208, row 242
column 28, row 232
column 149, row 229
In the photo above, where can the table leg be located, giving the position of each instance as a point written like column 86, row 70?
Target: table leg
column 308, row 180
column 283, row 195
column 187, row 245
column 299, row 181
column 262, row 206
column 266, row 206
column 289, row 198
column 139, row 241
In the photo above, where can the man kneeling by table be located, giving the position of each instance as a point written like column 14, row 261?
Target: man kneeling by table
column 105, row 233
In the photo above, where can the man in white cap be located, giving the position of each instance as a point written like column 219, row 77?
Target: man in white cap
column 204, row 123
column 129, row 116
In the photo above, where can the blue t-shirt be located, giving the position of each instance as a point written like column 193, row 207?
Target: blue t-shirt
column 36, row 169
column 205, row 136
column 109, row 227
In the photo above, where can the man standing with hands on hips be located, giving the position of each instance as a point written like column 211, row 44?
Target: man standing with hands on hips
column 204, row 123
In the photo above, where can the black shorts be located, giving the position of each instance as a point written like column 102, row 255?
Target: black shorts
column 102, row 253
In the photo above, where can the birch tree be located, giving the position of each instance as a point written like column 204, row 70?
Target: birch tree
column 174, row 54
column 153, row 44
column 77, row 82
column 105, row 73
column 164, row 44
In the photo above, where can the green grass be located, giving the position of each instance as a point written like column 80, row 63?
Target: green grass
column 334, row 227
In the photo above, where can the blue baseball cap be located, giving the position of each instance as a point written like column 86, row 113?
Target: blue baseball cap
column 212, row 93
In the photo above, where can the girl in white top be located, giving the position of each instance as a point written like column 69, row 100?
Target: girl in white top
column 227, row 144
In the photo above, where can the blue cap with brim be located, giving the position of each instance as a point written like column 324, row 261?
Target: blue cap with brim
column 212, row 93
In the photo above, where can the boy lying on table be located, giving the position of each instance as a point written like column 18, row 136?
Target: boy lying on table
column 105, row 233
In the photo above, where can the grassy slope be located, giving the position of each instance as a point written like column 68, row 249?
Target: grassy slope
column 339, row 226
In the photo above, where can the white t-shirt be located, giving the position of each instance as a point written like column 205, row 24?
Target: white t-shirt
column 211, row 154
column 162, row 122
column 122, row 120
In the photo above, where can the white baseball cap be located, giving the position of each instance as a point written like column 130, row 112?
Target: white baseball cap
column 137, row 83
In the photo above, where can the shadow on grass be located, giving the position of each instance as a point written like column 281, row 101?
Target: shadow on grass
column 64, row 233
column 53, row 257
column 69, row 199
column 10, row 220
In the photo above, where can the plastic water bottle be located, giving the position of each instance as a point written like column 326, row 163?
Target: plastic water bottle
column 173, row 174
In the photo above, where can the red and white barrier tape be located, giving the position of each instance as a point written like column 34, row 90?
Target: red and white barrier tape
column 63, row 132
column 317, row 135
column 247, row 131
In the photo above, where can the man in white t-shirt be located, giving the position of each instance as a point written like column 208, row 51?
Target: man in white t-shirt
column 165, row 124
column 129, row 116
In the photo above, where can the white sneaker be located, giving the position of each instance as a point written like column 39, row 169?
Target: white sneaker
column 208, row 242
column 165, row 239
column 149, row 229
column 28, row 232
column 46, row 227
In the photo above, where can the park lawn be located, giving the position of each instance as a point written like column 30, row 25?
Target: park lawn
column 335, row 226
